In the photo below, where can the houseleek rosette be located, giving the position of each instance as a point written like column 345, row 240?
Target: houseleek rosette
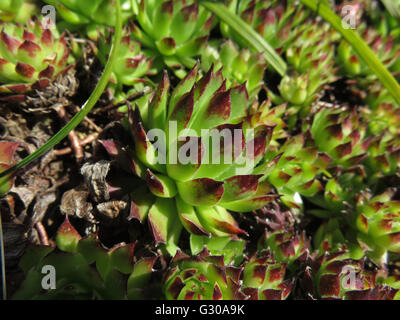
column 132, row 66
column 173, row 32
column 366, row 223
column 341, row 134
column 30, row 57
column 348, row 140
column 202, row 277
column 285, row 245
column 298, row 169
column 310, row 57
column 265, row 279
column 189, row 180
column 335, row 276
column 239, row 66
column 207, row 277
column 384, row 47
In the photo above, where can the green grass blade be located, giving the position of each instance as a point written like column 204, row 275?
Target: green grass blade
column 86, row 108
column 359, row 45
column 247, row 32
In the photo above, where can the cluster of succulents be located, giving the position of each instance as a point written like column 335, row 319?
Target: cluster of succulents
column 207, row 174
column 84, row 268
column 367, row 224
column 297, row 171
column 334, row 275
column 340, row 134
column 310, row 56
column 206, row 277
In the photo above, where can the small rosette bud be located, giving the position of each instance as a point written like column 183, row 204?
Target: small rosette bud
column 264, row 278
column 202, row 277
column 238, row 66
column 333, row 275
column 173, row 31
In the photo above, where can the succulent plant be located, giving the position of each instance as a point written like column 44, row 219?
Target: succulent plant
column 351, row 142
column 377, row 222
column 368, row 223
column 277, row 217
column 7, row 150
column 310, row 57
column 196, row 187
column 172, row 32
column 131, row 67
column 206, row 277
column 202, row 277
column 296, row 172
column 30, row 57
column 264, row 278
column 286, row 246
column 383, row 156
column 229, row 247
column 91, row 15
column 333, row 275
column 341, row 134
column 264, row 113
column 17, row 10
column 84, row 269
column 307, row 45
column 238, row 66
column 394, row 283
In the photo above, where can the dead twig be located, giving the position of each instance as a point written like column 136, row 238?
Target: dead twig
column 90, row 122
column 73, row 138
column 84, row 142
column 44, row 239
